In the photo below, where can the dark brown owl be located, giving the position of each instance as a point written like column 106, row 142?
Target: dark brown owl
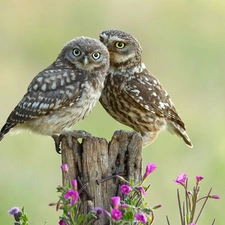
column 63, row 93
column 132, row 95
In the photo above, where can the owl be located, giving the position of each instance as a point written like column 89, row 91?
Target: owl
column 63, row 93
column 132, row 95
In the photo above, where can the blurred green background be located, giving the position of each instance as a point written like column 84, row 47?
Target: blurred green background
column 184, row 46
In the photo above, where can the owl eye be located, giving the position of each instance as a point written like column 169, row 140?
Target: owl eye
column 120, row 44
column 76, row 52
column 96, row 55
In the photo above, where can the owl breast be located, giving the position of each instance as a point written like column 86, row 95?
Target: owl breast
column 63, row 118
column 124, row 109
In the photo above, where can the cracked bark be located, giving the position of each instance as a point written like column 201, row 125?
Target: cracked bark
column 94, row 159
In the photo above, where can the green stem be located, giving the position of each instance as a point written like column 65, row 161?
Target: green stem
column 179, row 204
column 146, row 189
column 200, row 212
column 167, row 219
column 138, row 201
column 194, row 202
column 72, row 217
column 187, row 199
column 202, row 198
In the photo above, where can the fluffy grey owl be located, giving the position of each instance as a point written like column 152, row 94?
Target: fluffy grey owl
column 132, row 95
column 63, row 93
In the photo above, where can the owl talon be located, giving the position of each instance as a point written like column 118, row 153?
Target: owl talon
column 57, row 139
column 75, row 134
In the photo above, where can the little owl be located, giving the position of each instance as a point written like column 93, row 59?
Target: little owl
column 132, row 95
column 63, row 93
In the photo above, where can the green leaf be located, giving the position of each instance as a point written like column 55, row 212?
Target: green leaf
column 129, row 216
column 80, row 218
column 131, row 182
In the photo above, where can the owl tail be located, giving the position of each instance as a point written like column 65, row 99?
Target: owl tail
column 180, row 131
column 5, row 129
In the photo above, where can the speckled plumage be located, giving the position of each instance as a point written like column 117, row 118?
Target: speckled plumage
column 132, row 95
column 65, row 92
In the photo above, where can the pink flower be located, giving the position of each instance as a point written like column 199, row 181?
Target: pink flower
column 157, row 206
column 73, row 196
column 214, row 196
column 74, row 184
column 181, row 179
column 149, row 169
column 115, row 201
column 116, row 214
column 142, row 190
column 191, row 224
column 125, row 189
column 141, row 217
column 64, row 167
column 61, row 222
column 199, row 178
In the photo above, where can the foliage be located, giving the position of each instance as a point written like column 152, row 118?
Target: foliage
column 188, row 208
column 20, row 216
column 131, row 208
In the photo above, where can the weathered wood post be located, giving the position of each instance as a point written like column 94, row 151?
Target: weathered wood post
column 95, row 159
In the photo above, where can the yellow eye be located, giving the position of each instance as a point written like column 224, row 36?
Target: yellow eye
column 120, row 44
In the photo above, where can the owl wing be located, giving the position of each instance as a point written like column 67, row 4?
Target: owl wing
column 146, row 90
column 50, row 90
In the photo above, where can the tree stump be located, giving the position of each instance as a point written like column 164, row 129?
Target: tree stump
column 94, row 159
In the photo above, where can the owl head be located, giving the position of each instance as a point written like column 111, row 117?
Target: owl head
column 122, row 46
column 86, row 54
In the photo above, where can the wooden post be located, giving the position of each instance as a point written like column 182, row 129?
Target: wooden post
column 95, row 159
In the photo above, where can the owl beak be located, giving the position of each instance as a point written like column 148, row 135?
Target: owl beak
column 85, row 60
